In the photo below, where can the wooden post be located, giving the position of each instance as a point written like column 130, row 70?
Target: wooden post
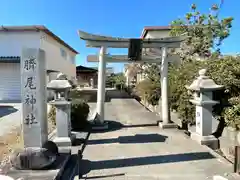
column 80, row 156
column 237, row 160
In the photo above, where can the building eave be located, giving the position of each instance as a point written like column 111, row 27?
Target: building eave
column 37, row 28
column 10, row 59
column 146, row 29
column 83, row 69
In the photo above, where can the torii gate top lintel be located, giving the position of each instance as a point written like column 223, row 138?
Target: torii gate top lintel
column 93, row 40
column 93, row 37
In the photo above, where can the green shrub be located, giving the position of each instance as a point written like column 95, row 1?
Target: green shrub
column 118, row 80
column 118, row 86
column 223, row 71
column 179, row 77
column 75, row 94
column 79, row 114
column 232, row 114
column 149, row 90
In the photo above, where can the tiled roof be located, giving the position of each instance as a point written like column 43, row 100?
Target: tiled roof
column 10, row 59
column 85, row 69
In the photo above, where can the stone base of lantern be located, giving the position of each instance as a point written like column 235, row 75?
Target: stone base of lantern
column 99, row 126
column 64, row 141
column 163, row 125
column 209, row 141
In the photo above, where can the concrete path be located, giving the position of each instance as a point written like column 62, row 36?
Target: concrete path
column 141, row 151
column 10, row 117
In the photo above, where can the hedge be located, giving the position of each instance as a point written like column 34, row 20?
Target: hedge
column 224, row 71
column 79, row 114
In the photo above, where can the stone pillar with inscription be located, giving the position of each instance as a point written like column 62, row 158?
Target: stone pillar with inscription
column 34, row 100
column 203, row 88
column 61, row 87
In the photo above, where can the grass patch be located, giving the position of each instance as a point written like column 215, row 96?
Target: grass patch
column 12, row 141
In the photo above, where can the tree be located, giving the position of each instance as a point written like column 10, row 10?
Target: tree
column 119, row 80
column 206, row 32
column 132, row 70
column 225, row 71
column 110, row 80
column 152, row 72
column 149, row 91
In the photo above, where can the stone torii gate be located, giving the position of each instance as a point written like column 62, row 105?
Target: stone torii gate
column 104, row 42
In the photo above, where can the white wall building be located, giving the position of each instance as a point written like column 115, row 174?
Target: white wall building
column 156, row 31
column 60, row 57
column 150, row 32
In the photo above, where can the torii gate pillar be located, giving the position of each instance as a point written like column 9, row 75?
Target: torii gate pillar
column 165, row 112
column 101, row 84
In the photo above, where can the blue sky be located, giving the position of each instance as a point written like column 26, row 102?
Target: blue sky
column 122, row 18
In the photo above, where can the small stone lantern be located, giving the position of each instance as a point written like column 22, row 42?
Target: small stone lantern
column 203, row 88
column 92, row 83
column 61, row 88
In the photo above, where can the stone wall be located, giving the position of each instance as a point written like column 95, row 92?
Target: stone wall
column 228, row 141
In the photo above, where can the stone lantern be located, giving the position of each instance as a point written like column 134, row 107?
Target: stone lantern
column 92, row 83
column 203, row 88
column 61, row 87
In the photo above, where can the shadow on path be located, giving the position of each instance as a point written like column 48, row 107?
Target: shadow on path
column 6, row 110
column 113, row 126
column 87, row 166
column 138, row 138
column 106, row 176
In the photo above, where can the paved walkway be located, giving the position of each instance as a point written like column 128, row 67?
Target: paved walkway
column 10, row 117
column 141, row 151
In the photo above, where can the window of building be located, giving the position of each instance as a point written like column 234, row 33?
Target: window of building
column 63, row 53
column 85, row 77
column 73, row 59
